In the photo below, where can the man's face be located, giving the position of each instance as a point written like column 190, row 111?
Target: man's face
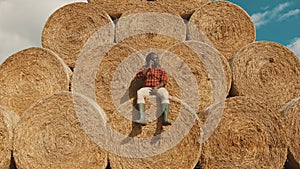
column 154, row 61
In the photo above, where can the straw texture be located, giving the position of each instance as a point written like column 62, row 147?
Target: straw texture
column 29, row 75
column 115, row 86
column 69, row 27
column 216, row 66
column 225, row 24
column 115, row 82
column 185, row 8
column 150, row 18
column 290, row 112
column 268, row 71
column 50, row 135
column 115, row 8
column 248, row 135
column 8, row 120
column 183, row 155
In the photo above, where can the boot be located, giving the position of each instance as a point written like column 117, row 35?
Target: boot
column 165, row 109
column 141, row 107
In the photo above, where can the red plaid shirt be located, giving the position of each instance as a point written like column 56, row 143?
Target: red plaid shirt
column 153, row 77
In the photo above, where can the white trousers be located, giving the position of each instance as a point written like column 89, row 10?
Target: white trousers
column 162, row 93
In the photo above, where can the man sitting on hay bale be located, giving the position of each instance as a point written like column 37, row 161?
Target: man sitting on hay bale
column 154, row 81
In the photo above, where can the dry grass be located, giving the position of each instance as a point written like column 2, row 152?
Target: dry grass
column 226, row 25
column 248, row 135
column 30, row 75
column 68, row 29
column 268, row 71
column 52, row 134
column 290, row 112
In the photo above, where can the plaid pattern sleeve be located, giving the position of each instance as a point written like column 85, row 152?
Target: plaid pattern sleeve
column 164, row 77
column 140, row 73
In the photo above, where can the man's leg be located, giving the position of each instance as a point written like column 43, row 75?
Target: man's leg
column 141, row 94
column 164, row 96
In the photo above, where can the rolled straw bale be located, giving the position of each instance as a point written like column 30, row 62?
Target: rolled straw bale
column 112, row 82
column 8, row 120
column 291, row 114
column 29, row 75
column 185, row 8
column 225, row 24
column 114, row 87
column 150, row 18
column 183, row 155
column 69, row 27
column 268, row 71
column 50, row 134
column 248, row 135
column 217, row 67
column 115, row 8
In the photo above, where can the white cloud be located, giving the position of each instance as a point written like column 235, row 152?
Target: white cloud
column 265, row 17
column 295, row 46
column 260, row 18
column 289, row 14
column 22, row 22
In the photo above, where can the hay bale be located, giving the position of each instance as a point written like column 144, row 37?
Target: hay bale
column 51, row 134
column 115, row 8
column 216, row 66
column 150, row 18
column 114, row 82
column 8, row 120
column 183, row 155
column 225, row 24
column 268, row 71
column 29, row 75
column 185, row 8
column 248, row 135
column 69, row 27
column 290, row 112
column 114, row 87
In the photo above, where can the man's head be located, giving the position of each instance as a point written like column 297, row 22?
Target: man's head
column 152, row 60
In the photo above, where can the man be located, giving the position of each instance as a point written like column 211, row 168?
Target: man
column 154, row 81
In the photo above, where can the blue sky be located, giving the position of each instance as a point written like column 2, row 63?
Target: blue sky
column 275, row 20
column 22, row 21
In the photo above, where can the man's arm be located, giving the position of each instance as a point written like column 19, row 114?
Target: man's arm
column 163, row 80
column 142, row 73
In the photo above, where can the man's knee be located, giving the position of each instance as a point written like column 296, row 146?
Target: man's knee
column 163, row 94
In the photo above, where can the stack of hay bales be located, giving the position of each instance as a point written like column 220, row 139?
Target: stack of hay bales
column 222, row 85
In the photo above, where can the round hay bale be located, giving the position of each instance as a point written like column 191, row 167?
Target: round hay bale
column 150, row 18
column 8, row 120
column 69, row 27
column 184, row 155
column 225, row 24
column 114, row 87
column 216, row 66
column 185, row 8
column 50, row 135
column 115, row 8
column 29, row 75
column 291, row 115
column 248, row 135
column 268, row 71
